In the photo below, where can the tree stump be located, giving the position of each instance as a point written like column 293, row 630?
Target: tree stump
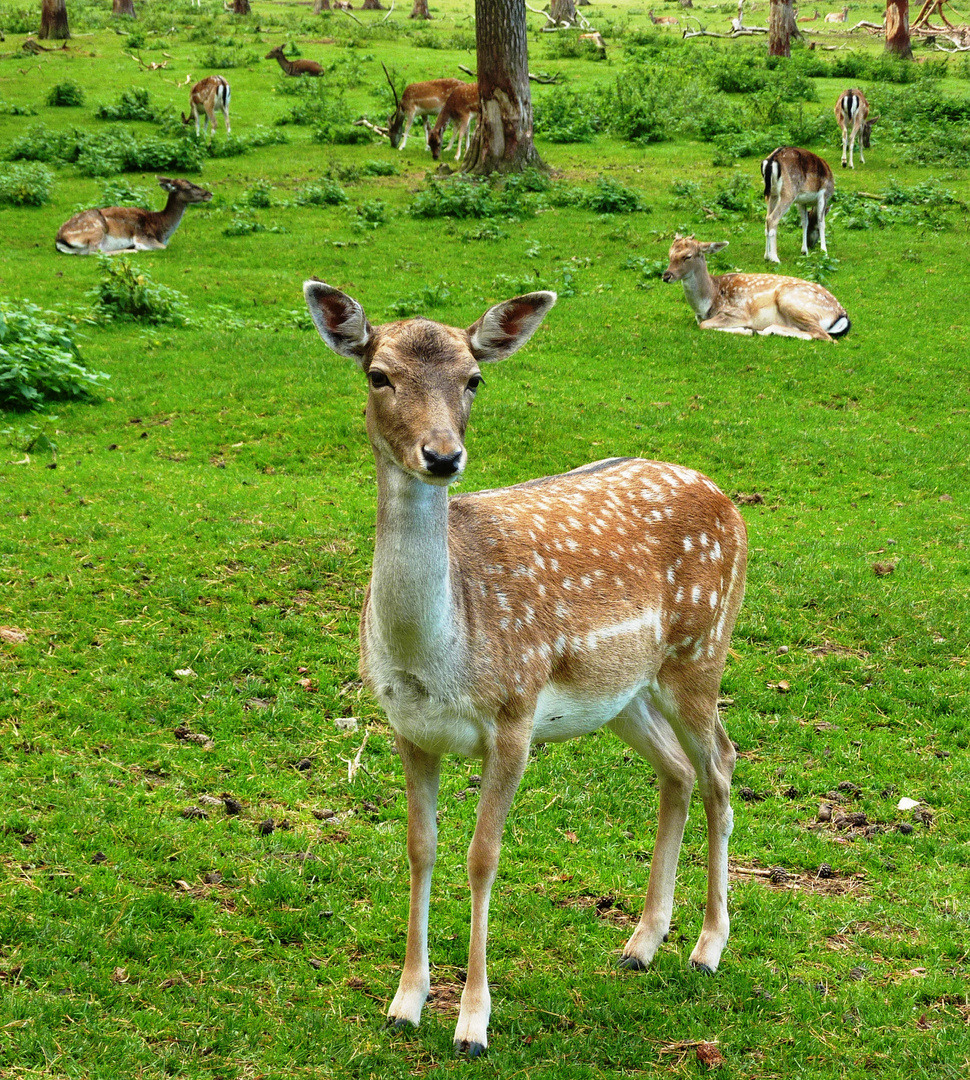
column 897, row 29
column 420, row 10
column 53, row 20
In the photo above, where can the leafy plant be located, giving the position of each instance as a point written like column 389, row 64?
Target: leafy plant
column 370, row 215
column 324, row 192
column 431, row 296
column 39, row 360
column 133, row 104
column 127, row 294
column 247, row 226
column 25, row 185
column 565, row 116
column 65, row 94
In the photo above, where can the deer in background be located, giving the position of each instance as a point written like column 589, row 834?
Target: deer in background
column 837, row 16
column 294, row 67
column 462, row 104
column 808, row 18
column 663, row 20
column 796, row 176
column 753, row 303
column 852, row 115
column 208, row 95
column 128, row 228
column 496, row 620
column 422, row 99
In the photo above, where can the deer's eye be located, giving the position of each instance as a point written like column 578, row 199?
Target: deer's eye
column 378, row 379
column 474, row 383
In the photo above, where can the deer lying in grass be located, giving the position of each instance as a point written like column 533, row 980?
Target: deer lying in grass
column 208, row 95
column 837, row 16
column 421, row 99
column 461, row 106
column 662, row 20
column 796, row 176
column 852, row 116
column 753, row 303
column 116, row 229
column 496, row 620
column 294, row 67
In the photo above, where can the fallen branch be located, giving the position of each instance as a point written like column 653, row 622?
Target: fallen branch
column 544, row 78
column 363, row 122
column 351, row 15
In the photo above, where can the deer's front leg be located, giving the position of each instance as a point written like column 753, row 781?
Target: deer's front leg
column 502, row 770
column 422, row 772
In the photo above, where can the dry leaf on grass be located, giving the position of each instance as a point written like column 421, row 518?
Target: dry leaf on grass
column 10, row 635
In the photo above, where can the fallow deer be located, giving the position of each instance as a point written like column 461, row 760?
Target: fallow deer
column 796, row 176
column 461, row 106
column 421, row 99
column 663, row 20
column 496, row 620
column 294, row 67
column 753, row 303
column 852, row 116
column 837, row 16
column 208, row 95
column 809, row 18
column 116, row 229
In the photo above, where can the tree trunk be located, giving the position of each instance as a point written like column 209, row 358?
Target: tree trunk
column 53, row 20
column 241, row 7
column 563, row 11
column 781, row 23
column 320, row 5
column 123, row 7
column 897, row 29
column 372, row 5
column 503, row 133
column 420, row 10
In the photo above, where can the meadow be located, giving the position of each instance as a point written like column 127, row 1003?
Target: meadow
column 202, row 859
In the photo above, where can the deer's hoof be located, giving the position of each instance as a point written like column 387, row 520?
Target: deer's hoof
column 469, row 1049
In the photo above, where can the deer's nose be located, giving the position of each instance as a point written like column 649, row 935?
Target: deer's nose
column 441, row 464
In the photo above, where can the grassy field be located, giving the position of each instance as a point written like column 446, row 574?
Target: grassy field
column 202, row 865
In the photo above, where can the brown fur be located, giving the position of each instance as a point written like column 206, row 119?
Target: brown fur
column 461, row 106
column 294, row 67
column 792, row 175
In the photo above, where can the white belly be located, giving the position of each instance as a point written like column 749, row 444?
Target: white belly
column 561, row 715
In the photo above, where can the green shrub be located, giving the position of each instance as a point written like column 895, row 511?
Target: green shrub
column 246, row 226
column 25, row 185
column 224, row 59
column 236, row 145
column 39, row 360
column 260, row 195
column 130, row 295
column 431, row 296
column 325, row 192
column 65, row 94
column 134, row 104
column 341, row 135
column 379, row 168
column 565, row 116
column 370, row 215
column 608, row 196
column 39, row 143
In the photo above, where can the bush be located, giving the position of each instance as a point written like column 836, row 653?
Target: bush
column 564, row 116
column 134, row 104
column 325, row 192
column 65, row 94
column 39, row 360
column 26, row 185
column 131, row 296
column 607, row 196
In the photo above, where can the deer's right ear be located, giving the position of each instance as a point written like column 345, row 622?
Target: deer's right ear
column 339, row 319
column 716, row 245
column 506, row 327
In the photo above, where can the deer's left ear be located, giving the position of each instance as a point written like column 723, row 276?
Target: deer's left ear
column 339, row 319
column 505, row 328
column 717, row 245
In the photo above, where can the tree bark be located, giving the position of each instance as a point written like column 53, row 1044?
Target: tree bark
column 781, row 24
column 372, row 5
column 320, row 5
column 420, row 10
column 53, row 20
column 241, row 7
column 123, row 7
column 563, row 11
column 897, row 29
column 503, row 133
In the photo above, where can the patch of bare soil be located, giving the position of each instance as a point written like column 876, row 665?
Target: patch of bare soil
column 825, row 881
column 605, row 907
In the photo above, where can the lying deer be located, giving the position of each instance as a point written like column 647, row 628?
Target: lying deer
column 421, row 99
column 116, row 229
column 808, row 18
column 852, row 116
column 796, row 176
column 753, row 303
column 461, row 105
column 294, row 67
column 496, row 620
column 662, row 20
column 837, row 16
column 208, row 95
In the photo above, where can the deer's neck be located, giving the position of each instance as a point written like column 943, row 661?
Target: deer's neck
column 287, row 65
column 701, row 291
column 169, row 218
column 411, row 598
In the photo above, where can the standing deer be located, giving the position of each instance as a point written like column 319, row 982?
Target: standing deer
column 208, row 95
column 852, row 116
column 496, row 620
column 461, row 105
column 116, row 229
column 803, row 178
column 753, row 303
column 837, row 16
column 294, row 67
column 422, row 99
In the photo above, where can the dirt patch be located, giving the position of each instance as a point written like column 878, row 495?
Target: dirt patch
column 825, row 881
column 605, row 907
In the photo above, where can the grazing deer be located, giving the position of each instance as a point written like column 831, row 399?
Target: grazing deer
column 116, row 229
column 852, row 115
column 663, row 20
column 208, row 95
column 803, row 178
column 422, row 99
column 596, row 39
column 753, row 303
column 496, row 620
column 461, row 105
column 837, row 16
column 294, row 67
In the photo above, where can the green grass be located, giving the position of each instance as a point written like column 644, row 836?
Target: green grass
column 212, row 514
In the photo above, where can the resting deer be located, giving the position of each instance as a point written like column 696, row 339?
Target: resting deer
column 422, row 99
column 796, row 176
column 461, row 105
column 837, row 16
column 294, row 67
column 116, row 229
column 496, row 620
column 753, row 303
column 208, row 95
column 852, row 115
column 663, row 20
column 808, row 18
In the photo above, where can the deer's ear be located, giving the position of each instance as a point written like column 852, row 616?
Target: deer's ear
column 339, row 319
column 508, row 326
column 717, row 245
